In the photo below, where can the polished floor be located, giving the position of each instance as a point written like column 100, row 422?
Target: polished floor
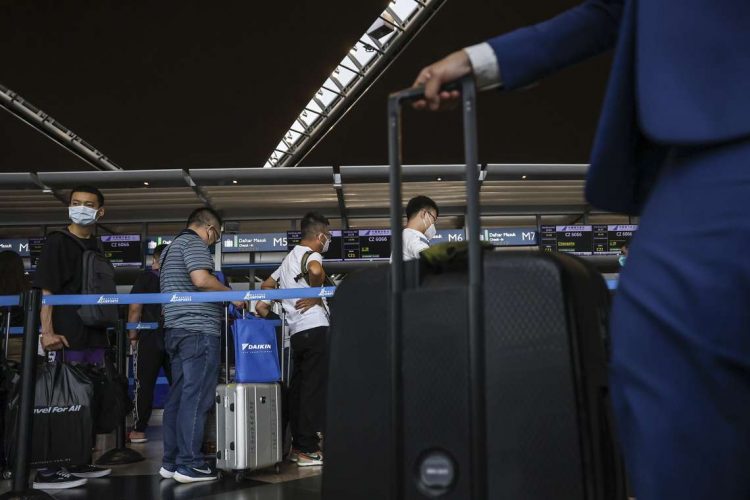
column 141, row 480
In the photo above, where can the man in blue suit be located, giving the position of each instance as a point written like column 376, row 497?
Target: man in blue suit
column 673, row 145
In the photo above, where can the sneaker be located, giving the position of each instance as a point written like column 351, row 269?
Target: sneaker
column 136, row 437
column 192, row 475
column 167, row 472
column 57, row 479
column 309, row 459
column 293, row 455
column 89, row 471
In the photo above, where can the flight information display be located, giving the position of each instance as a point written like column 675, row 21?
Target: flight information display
column 608, row 239
column 335, row 250
column 35, row 250
column 367, row 244
column 576, row 240
column 123, row 250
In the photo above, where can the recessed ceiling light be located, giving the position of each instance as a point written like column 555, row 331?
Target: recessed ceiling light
column 523, row 177
column 439, row 179
column 145, row 183
column 234, row 181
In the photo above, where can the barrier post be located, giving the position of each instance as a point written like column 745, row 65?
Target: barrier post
column 120, row 454
column 20, row 489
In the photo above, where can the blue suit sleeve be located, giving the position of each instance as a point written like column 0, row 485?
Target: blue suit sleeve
column 531, row 53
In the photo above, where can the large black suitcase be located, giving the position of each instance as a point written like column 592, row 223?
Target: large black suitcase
column 505, row 398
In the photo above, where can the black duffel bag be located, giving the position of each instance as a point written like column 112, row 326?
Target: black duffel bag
column 111, row 401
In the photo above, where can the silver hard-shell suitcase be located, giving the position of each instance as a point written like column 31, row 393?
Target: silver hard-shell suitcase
column 248, row 424
column 248, row 427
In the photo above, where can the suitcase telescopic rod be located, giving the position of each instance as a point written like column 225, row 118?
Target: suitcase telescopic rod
column 476, row 387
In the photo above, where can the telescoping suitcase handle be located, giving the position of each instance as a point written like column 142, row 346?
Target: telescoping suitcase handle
column 475, row 298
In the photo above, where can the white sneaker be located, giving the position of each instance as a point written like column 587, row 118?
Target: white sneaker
column 166, row 473
column 309, row 459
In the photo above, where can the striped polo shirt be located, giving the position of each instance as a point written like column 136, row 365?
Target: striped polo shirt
column 188, row 253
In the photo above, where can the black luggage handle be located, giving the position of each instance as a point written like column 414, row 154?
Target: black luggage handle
column 468, row 98
column 476, row 302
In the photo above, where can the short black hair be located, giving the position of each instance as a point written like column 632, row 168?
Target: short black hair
column 313, row 223
column 419, row 203
column 205, row 216
column 87, row 189
column 159, row 249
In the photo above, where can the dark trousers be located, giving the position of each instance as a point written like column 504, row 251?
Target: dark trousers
column 681, row 332
column 148, row 358
column 307, row 389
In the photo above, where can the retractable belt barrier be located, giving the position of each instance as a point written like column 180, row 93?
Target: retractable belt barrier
column 177, row 297
column 32, row 302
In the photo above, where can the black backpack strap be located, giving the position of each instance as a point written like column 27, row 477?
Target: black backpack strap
column 304, row 273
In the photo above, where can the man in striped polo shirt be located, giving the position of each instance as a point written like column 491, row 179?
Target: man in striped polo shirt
column 193, row 332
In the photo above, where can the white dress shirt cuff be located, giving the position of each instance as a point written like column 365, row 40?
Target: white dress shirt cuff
column 485, row 65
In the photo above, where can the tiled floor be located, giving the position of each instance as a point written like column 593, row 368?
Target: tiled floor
column 141, row 480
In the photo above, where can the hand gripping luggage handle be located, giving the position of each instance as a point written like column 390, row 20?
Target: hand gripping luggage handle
column 476, row 302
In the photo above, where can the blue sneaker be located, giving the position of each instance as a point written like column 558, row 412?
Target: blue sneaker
column 167, row 471
column 194, row 475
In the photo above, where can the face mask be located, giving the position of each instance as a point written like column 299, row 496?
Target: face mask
column 326, row 245
column 83, row 216
column 431, row 232
column 622, row 260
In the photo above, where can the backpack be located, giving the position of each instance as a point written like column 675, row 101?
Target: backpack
column 98, row 279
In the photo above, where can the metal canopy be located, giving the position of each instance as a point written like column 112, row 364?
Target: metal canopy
column 247, row 194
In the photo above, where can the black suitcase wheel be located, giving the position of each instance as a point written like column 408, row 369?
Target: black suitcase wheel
column 277, row 468
column 239, row 477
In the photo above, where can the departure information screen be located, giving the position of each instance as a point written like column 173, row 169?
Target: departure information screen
column 576, row 240
column 123, row 250
column 598, row 239
column 335, row 249
column 35, row 250
column 608, row 239
column 367, row 244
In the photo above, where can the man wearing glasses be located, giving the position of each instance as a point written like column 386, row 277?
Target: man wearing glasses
column 421, row 216
column 193, row 333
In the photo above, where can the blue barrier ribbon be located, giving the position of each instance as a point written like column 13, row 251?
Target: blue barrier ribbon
column 185, row 297
column 142, row 326
column 10, row 300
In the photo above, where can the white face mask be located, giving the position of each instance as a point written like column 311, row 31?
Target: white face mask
column 431, row 231
column 81, row 215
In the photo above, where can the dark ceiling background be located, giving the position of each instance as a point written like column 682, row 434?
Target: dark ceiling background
column 193, row 84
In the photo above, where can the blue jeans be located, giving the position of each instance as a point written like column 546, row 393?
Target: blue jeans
column 194, row 359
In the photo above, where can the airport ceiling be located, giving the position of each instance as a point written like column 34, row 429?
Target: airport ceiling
column 187, row 85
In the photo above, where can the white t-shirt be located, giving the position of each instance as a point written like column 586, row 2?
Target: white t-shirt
column 414, row 242
column 284, row 276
